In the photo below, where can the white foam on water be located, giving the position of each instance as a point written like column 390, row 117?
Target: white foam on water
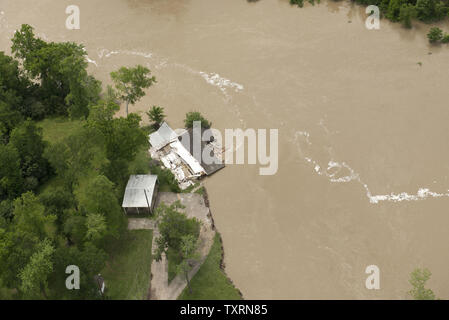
column 91, row 61
column 216, row 80
column 341, row 172
column 106, row 53
column 213, row 79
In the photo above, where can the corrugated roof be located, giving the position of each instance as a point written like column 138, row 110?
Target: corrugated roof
column 163, row 136
column 135, row 191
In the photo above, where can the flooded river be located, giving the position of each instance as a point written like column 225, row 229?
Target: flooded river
column 363, row 135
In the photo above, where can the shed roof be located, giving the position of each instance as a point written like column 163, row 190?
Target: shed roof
column 163, row 136
column 135, row 191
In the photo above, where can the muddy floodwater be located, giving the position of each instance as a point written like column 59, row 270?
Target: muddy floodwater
column 363, row 131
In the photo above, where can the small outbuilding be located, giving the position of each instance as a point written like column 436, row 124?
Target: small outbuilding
column 140, row 194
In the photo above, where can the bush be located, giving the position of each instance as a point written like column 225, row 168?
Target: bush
column 196, row 116
column 299, row 3
column 445, row 38
column 435, row 35
column 166, row 179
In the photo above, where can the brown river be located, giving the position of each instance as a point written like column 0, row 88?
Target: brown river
column 362, row 118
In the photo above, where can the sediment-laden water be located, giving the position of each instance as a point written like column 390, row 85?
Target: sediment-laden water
column 363, row 134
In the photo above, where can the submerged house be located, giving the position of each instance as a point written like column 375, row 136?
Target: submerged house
column 140, row 194
column 175, row 152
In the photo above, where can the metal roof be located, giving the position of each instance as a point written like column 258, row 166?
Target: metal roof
column 135, row 191
column 163, row 136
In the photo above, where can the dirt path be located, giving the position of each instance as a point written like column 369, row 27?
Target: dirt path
column 194, row 204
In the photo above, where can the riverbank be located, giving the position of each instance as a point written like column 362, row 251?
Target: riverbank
column 340, row 95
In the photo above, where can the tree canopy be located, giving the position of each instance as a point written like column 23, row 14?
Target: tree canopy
column 131, row 82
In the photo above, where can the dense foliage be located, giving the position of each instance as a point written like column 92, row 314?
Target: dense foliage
column 193, row 116
column 404, row 11
column 59, row 200
column 174, row 227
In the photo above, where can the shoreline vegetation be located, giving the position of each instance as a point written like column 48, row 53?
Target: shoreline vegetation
column 66, row 158
column 404, row 12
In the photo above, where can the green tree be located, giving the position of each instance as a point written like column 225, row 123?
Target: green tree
column 57, row 200
column 96, row 226
column 90, row 259
column 27, row 139
column 15, row 90
column 196, row 116
column 189, row 256
column 34, row 277
column 130, row 82
column 75, row 228
column 435, row 35
column 173, row 226
column 11, row 181
column 426, row 10
column 418, row 279
column 9, row 119
column 98, row 197
column 29, row 226
column 60, row 69
column 445, row 38
column 393, row 10
column 77, row 156
column 123, row 138
column 30, row 217
column 156, row 115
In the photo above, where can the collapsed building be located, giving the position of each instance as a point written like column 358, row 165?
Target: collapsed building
column 177, row 152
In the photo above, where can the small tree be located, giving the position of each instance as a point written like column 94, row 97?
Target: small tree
column 189, row 255
column 130, row 82
column 156, row 115
column 418, row 279
column 435, row 35
column 34, row 277
column 173, row 227
column 196, row 116
column 445, row 38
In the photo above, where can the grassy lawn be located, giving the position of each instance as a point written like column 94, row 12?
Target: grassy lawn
column 210, row 282
column 127, row 272
column 56, row 129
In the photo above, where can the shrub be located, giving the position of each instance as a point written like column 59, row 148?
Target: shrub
column 435, row 34
column 196, row 116
column 166, row 178
column 445, row 38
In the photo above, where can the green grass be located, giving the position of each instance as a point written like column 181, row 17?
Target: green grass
column 210, row 282
column 56, row 129
column 128, row 270
column 173, row 261
column 200, row 191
